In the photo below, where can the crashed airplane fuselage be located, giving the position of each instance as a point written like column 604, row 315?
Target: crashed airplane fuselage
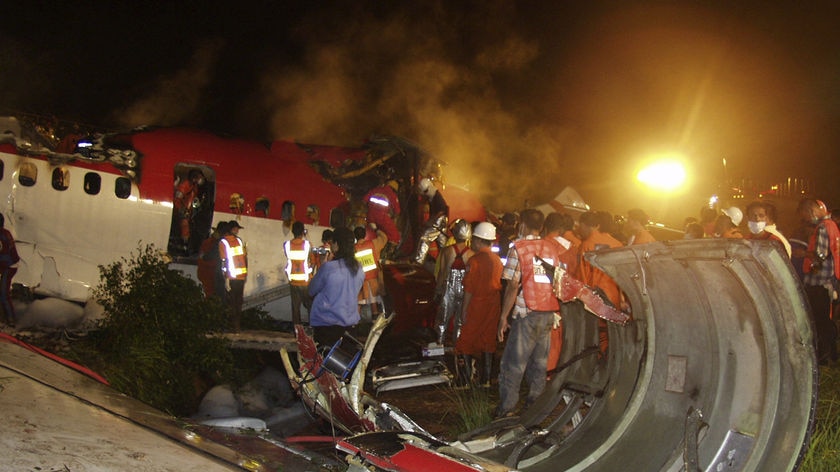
column 94, row 200
column 714, row 370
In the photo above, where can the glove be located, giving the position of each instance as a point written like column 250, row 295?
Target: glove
column 557, row 319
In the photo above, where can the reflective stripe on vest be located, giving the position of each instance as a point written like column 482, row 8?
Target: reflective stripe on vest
column 236, row 266
column 367, row 258
column 379, row 200
column 297, row 261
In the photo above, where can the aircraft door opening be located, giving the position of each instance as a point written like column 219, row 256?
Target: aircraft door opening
column 192, row 209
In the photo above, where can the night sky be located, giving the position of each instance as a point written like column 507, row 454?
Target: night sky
column 520, row 101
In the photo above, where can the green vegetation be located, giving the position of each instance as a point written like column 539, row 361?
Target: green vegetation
column 824, row 452
column 153, row 344
column 473, row 405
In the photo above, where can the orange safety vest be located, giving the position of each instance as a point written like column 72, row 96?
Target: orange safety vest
column 369, row 259
column 297, row 261
column 236, row 260
column 536, row 283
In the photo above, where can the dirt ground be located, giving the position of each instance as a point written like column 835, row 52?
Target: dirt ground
column 435, row 408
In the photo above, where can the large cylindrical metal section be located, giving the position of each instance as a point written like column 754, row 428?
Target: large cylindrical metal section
column 716, row 371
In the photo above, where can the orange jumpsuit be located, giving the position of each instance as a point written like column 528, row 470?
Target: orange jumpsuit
column 483, row 283
column 643, row 237
column 595, row 278
column 556, row 346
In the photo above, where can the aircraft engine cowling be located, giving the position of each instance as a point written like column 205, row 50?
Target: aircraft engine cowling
column 715, row 372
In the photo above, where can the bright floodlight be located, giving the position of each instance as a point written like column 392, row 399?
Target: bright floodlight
column 663, row 175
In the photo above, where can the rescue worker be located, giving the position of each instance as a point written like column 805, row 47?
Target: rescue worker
column 821, row 270
column 507, row 234
column 435, row 230
column 637, row 219
column 299, row 262
column 761, row 221
column 735, row 214
column 449, row 291
column 210, row 263
column 529, row 300
column 383, row 207
column 557, row 224
column 593, row 239
column 367, row 252
column 726, row 228
column 235, row 266
column 8, row 260
column 186, row 204
column 482, row 304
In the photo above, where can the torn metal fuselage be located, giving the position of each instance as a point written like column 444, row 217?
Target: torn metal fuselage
column 345, row 405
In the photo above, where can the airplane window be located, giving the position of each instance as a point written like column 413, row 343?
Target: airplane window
column 260, row 207
column 60, row 178
column 93, row 183
column 122, row 187
column 28, row 174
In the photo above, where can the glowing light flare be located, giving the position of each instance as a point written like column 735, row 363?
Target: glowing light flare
column 667, row 175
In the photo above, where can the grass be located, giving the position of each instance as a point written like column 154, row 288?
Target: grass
column 824, row 452
column 473, row 405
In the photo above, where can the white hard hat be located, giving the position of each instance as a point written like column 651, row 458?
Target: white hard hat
column 426, row 186
column 485, row 230
column 735, row 214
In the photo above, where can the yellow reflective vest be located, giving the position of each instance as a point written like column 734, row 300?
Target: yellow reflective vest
column 298, row 254
column 235, row 263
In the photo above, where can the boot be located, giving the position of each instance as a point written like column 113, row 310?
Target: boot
column 487, row 368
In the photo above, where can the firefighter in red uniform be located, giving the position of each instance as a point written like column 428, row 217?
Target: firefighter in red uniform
column 235, row 266
column 299, row 264
column 383, row 207
column 8, row 258
column 186, row 203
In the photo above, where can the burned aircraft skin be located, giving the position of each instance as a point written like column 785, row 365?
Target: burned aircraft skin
column 715, row 372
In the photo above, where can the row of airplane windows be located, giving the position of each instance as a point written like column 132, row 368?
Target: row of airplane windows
column 28, row 176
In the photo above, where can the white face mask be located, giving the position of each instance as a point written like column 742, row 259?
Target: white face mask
column 756, row 226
